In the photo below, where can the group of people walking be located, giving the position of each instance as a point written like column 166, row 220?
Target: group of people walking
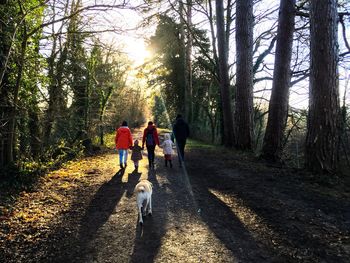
column 150, row 139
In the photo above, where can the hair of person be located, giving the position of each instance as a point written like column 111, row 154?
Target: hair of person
column 150, row 123
column 179, row 116
column 124, row 123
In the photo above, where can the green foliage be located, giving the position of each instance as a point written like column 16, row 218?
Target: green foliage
column 166, row 44
column 160, row 113
column 168, row 72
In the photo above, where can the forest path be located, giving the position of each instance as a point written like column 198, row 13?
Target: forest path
column 219, row 207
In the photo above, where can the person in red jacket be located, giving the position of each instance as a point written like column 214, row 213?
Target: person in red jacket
column 123, row 140
column 151, row 139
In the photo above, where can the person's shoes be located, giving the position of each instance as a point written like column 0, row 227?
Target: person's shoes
column 121, row 166
column 125, row 165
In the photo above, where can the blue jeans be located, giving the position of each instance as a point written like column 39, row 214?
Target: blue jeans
column 123, row 156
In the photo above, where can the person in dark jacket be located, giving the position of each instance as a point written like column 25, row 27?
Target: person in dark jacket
column 181, row 132
column 151, row 139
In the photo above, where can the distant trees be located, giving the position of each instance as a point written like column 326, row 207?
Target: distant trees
column 53, row 84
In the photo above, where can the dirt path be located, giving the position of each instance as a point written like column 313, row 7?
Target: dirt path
column 224, row 210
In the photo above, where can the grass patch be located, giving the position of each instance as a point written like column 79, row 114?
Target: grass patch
column 196, row 144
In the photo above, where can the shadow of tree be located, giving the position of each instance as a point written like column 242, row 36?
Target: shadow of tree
column 292, row 214
column 103, row 203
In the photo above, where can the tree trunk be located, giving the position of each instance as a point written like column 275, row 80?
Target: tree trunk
column 224, row 80
column 189, row 96
column 244, row 76
column 56, row 97
column 101, row 129
column 7, row 33
column 13, row 113
column 184, row 95
column 323, row 121
column 278, row 106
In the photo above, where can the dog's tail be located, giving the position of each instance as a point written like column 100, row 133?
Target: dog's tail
column 141, row 189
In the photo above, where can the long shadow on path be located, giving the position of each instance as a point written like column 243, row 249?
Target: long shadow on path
column 79, row 246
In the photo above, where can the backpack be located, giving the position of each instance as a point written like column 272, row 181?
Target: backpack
column 149, row 137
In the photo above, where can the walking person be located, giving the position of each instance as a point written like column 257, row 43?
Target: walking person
column 181, row 132
column 136, row 154
column 123, row 141
column 167, row 146
column 151, row 139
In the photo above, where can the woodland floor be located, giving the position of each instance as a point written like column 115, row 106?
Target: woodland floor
column 220, row 207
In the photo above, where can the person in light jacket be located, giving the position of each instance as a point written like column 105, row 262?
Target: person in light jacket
column 167, row 146
column 123, row 141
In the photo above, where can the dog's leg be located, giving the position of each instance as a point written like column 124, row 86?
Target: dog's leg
column 139, row 206
column 146, row 207
column 150, row 205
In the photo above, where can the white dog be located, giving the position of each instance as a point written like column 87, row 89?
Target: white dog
column 144, row 195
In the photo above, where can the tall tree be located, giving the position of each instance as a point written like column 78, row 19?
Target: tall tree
column 224, row 78
column 55, row 119
column 17, row 18
column 77, row 69
column 183, row 55
column 278, row 106
column 189, row 93
column 244, row 76
column 8, row 31
column 323, row 120
column 168, row 52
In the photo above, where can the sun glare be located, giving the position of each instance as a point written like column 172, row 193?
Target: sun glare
column 136, row 50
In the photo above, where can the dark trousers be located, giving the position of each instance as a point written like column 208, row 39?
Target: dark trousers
column 181, row 150
column 150, row 153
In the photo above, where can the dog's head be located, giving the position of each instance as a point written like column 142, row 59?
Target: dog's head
column 144, row 185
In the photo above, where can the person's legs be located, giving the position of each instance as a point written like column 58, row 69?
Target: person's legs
column 181, row 150
column 136, row 164
column 150, row 151
column 149, row 155
column 169, row 159
column 121, row 157
column 125, row 157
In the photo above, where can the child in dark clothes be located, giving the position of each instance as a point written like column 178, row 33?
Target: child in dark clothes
column 136, row 154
